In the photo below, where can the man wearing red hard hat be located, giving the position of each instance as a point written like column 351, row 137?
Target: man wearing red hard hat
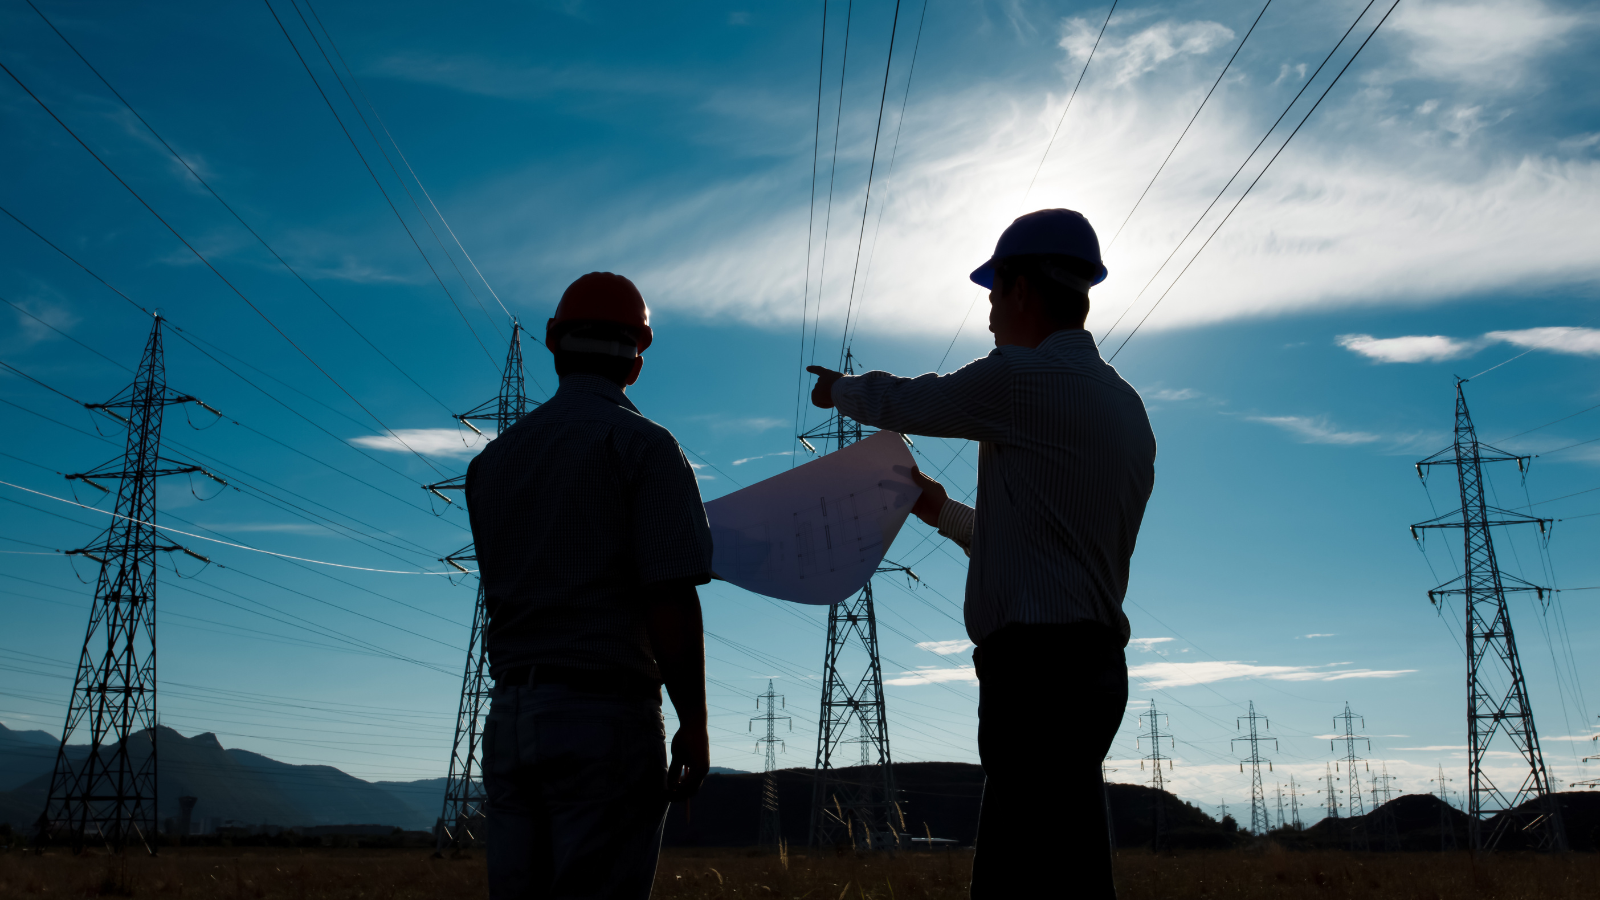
column 591, row 539
column 1066, row 463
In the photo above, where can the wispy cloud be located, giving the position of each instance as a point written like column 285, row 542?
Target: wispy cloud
column 1430, row 747
column 1317, row 635
column 1409, row 349
column 946, row 648
column 1183, row 674
column 1316, row 430
column 1174, row 396
column 1148, row 644
column 721, row 423
column 1419, row 348
column 277, row 527
column 444, row 442
column 935, row 675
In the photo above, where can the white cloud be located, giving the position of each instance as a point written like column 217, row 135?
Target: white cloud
column 280, row 527
column 1317, row 430
column 721, row 424
column 1148, row 644
column 1417, row 348
column 1182, row 674
column 446, row 442
column 1329, row 634
column 1174, row 396
column 1145, row 50
column 1409, row 349
column 1488, row 44
column 1575, row 341
column 946, row 648
column 934, row 675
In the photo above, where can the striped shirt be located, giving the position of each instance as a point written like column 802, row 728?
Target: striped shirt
column 1066, row 463
column 576, row 511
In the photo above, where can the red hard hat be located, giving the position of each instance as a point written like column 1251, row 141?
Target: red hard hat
column 602, row 297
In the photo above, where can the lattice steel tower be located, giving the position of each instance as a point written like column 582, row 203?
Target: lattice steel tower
column 464, row 796
column 770, row 832
column 1260, row 821
column 109, row 792
column 860, row 810
column 1158, row 781
column 1497, row 694
column 1352, row 778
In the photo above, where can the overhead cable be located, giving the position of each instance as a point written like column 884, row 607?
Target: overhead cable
column 872, row 168
column 1201, row 218
column 381, row 189
column 214, row 270
column 1070, row 97
column 1257, row 179
column 225, row 205
column 225, row 543
column 1186, row 128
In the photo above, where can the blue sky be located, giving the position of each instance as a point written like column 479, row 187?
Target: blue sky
column 1433, row 218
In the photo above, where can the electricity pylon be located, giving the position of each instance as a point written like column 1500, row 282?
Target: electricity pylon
column 1352, row 794
column 1279, row 788
column 1332, row 793
column 1158, row 781
column 1260, row 822
column 1294, row 804
column 1382, row 793
column 769, row 833
column 110, row 791
column 1497, row 694
column 867, row 803
column 465, row 800
column 1447, row 830
column 1589, row 759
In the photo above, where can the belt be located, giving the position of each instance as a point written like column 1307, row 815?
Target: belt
column 611, row 682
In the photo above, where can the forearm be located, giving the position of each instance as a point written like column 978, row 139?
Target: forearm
column 972, row 403
column 677, row 637
column 956, row 520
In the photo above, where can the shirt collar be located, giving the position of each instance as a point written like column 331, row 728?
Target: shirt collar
column 600, row 386
column 1069, row 340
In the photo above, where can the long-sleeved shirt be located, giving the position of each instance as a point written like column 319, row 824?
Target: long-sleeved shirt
column 1066, row 463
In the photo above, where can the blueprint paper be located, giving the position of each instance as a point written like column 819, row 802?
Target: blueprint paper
column 817, row 532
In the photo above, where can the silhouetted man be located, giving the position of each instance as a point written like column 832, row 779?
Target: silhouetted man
column 591, row 539
column 1066, row 462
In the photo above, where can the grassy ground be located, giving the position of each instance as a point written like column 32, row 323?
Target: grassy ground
column 404, row 874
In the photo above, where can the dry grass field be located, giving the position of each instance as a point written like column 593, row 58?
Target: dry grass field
column 268, row 874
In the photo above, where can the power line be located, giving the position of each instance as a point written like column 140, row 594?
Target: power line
column 226, row 543
column 1070, row 97
column 229, row 207
column 872, row 168
column 351, row 138
column 200, row 256
column 1186, row 128
column 1258, row 177
column 811, row 219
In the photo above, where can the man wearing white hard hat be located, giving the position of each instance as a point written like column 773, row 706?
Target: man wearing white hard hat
column 1066, row 463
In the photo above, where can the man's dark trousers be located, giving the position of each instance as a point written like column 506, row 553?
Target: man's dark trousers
column 1050, row 700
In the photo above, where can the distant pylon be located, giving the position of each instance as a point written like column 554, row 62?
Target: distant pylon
column 769, row 833
column 465, row 800
column 1352, row 777
column 864, row 810
column 1294, row 805
column 108, row 792
column 1260, row 822
column 1158, row 781
column 1447, row 829
column 1382, row 792
column 1589, row 759
column 1497, row 694
column 1332, row 793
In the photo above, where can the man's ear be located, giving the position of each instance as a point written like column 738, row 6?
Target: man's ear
column 633, row 374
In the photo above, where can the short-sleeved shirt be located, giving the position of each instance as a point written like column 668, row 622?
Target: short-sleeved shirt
column 1066, row 464
column 576, row 511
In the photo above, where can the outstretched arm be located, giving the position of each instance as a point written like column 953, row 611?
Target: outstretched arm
column 677, row 636
column 973, row 402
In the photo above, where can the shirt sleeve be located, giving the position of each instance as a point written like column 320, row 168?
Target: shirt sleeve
column 671, row 538
column 972, row 402
column 955, row 522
